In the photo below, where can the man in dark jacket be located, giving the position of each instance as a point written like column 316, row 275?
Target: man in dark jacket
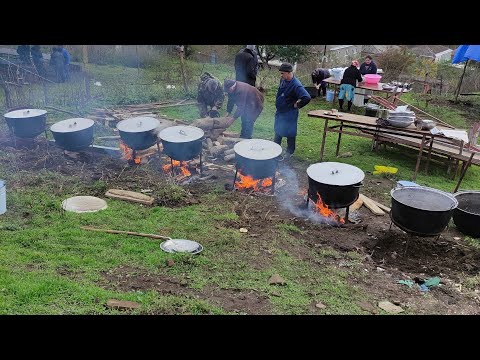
column 37, row 58
column 348, row 84
column 246, row 65
column 66, row 61
column 210, row 94
column 249, row 101
column 291, row 96
column 368, row 67
column 57, row 61
column 24, row 53
column 318, row 75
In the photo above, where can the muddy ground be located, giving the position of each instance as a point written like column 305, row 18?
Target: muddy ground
column 387, row 254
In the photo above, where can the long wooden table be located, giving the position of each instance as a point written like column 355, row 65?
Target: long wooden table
column 391, row 95
column 367, row 127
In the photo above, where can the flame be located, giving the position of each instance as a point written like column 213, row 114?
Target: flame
column 183, row 166
column 247, row 182
column 323, row 210
column 128, row 153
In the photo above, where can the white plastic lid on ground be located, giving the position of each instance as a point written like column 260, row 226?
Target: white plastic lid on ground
column 82, row 204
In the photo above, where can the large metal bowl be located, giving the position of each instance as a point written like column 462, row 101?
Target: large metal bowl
column 400, row 123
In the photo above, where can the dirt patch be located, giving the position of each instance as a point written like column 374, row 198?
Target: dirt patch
column 125, row 278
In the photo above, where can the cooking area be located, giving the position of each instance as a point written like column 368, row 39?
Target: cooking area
column 135, row 201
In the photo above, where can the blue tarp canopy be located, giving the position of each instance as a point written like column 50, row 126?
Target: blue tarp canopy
column 465, row 53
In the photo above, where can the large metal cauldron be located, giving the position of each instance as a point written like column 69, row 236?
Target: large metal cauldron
column 467, row 214
column 337, row 184
column 257, row 158
column 26, row 123
column 182, row 142
column 421, row 210
column 139, row 133
column 73, row 134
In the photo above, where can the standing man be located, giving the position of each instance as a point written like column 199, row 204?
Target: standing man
column 66, row 58
column 368, row 67
column 210, row 94
column 246, row 65
column 249, row 101
column 318, row 75
column 37, row 58
column 291, row 96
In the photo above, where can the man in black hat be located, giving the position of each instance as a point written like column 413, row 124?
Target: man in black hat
column 291, row 96
column 246, row 65
column 249, row 101
column 210, row 95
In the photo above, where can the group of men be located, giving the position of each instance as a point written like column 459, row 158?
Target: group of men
column 242, row 93
column 59, row 60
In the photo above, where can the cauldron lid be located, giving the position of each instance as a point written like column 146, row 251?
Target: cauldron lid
column 138, row 124
column 335, row 173
column 71, row 125
column 25, row 113
column 258, row 149
column 181, row 134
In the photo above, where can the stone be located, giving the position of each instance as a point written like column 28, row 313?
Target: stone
column 170, row 262
column 319, row 305
column 122, row 304
column 389, row 307
column 276, row 279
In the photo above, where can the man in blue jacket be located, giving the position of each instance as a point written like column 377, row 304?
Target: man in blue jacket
column 66, row 58
column 291, row 96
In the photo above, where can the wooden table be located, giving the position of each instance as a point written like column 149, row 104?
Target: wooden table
column 369, row 128
column 391, row 95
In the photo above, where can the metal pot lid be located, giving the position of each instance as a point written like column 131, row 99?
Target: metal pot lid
column 258, row 149
column 138, row 124
column 424, row 198
column 181, row 245
column 72, row 125
column 181, row 134
column 335, row 173
column 25, row 113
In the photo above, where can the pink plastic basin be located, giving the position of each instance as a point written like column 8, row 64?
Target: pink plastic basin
column 372, row 78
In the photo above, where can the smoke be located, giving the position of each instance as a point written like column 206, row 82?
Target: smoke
column 293, row 198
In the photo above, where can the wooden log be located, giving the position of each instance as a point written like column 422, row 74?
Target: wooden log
column 371, row 205
column 381, row 206
column 231, row 134
column 209, row 144
column 229, row 152
column 230, row 157
column 153, row 236
column 130, row 196
column 231, row 141
column 357, row 204
column 217, row 150
column 115, row 137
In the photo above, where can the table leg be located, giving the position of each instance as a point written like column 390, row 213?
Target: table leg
column 334, row 93
column 339, row 139
column 322, row 147
column 419, row 158
column 429, row 155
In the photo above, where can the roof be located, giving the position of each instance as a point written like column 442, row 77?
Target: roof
column 429, row 50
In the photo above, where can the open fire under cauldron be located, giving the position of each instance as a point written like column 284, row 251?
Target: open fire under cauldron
column 421, row 210
column 337, row 184
column 182, row 143
column 73, row 134
column 139, row 133
column 26, row 123
column 467, row 214
column 258, row 159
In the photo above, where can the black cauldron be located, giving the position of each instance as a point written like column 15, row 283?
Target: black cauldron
column 257, row 158
column 337, row 184
column 421, row 210
column 139, row 133
column 73, row 134
column 26, row 123
column 182, row 142
column 467, row 214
